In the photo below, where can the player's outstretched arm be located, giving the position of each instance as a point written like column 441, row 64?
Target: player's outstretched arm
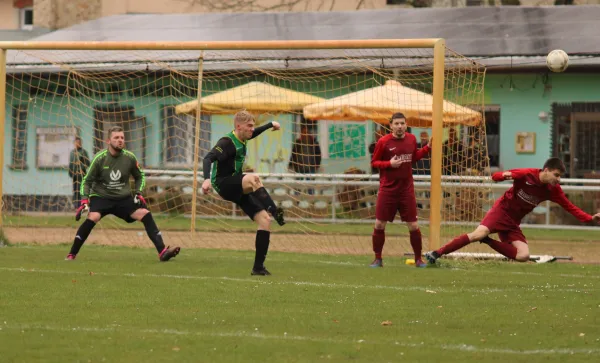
column 512, row 174
column 259, row 130
column 500, row 176
column 422, row 152
column 559, row 197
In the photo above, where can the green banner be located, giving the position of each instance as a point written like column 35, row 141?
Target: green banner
column 347, row 141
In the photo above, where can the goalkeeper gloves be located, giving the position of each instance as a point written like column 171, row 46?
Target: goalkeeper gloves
column 82, row 207
column 139, row 199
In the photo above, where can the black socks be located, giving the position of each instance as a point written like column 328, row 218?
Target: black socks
column 82, row 234
column 153, row 232
column 262, row 247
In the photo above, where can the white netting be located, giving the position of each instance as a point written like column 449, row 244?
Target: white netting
column 339, row 100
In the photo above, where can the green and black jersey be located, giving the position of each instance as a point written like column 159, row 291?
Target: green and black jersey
column 227, row 157
column 108, row 176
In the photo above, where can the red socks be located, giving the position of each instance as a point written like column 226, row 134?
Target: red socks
column 505, row 249
column 378, row 242
column 457, row 243
column 417, row 243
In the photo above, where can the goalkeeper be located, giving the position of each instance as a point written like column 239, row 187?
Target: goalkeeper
column 245, row 190
column 106, row 184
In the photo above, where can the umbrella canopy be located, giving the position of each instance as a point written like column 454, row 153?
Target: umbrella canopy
column 255, row 97
column 379, row 103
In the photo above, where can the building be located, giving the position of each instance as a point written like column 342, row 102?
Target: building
column 522, row 98
column 58, row 14
column 16, row 20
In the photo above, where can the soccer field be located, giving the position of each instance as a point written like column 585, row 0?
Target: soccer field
column 120, row 304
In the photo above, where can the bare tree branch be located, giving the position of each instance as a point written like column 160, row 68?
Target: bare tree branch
column 332, row 5
column 257, row 5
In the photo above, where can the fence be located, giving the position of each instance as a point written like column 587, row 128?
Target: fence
column 323, row 191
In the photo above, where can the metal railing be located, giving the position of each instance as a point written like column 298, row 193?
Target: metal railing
column 422, row 182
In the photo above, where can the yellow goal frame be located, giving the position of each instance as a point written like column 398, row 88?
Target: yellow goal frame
column 438, row 45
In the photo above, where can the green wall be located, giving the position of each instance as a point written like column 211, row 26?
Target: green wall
column 519, row 109
column 58, row 105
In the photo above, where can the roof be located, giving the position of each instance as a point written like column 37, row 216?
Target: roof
column 492, row 34
column 471, row 31
column 21, row 35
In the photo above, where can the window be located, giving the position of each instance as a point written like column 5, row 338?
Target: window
column 19, row 136
column 575, row 132
column 585, row 139
column 178, row 137
column 134, row 128
column 26, row 15
column 492, row 131
column 312, row 127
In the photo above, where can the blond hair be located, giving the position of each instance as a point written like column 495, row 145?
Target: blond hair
column 242, row 117
column 114, row 129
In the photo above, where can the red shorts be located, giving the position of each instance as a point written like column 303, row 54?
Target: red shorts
column 389, row 204
column 498, row 221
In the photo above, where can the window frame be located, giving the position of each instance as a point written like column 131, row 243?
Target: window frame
column 168, row 112
column 485, row 110
column 23, row 17
column 19, row 161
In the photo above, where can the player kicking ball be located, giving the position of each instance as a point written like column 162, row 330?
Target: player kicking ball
column 393, row 156
column 530, row 188
column 245, row 190
column 107, row 185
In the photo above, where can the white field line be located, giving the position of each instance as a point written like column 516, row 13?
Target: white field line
column 257, row 281
column 288, row 337
column 356, row 264
column 265, row 281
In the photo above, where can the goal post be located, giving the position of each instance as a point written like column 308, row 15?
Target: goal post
column 430, row 83
column 439, row 55
column 3, row 52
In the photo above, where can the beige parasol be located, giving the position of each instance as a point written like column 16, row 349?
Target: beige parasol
column 255, row 97
column 379, row 103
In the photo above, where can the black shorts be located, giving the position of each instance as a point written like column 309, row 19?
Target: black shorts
column 230, row 188
column 121, row 208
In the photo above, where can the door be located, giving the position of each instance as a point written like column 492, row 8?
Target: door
column 585, row 144
column 134, row 128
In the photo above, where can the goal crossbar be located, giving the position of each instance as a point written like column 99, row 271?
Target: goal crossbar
column 225, row 45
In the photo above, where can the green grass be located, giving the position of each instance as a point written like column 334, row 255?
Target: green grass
column 180, row 223
column 120, row 304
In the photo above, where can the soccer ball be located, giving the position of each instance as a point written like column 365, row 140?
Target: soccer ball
column 557, row 60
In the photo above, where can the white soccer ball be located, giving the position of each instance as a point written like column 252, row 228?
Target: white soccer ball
column 557, row 60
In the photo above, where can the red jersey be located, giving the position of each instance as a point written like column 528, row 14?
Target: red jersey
column 400, row 178
column 528, row 191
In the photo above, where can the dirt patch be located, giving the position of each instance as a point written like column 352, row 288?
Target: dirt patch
column 583, row 252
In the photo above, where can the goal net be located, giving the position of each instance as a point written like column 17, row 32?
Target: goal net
column 332, row 105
